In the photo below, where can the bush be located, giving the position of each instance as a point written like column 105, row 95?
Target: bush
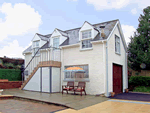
column 142, row 89
column 139, row 81
column 10, row 74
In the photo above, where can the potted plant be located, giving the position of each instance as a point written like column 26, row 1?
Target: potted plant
column 1, row 90
column 112, row 94
column 126, row 90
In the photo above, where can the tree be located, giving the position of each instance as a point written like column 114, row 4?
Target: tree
column 139, row 46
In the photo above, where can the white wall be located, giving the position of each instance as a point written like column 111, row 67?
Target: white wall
column 55, row 79
column 94, row 58
column 115, row 58
column 34, row 82
column 45, row 79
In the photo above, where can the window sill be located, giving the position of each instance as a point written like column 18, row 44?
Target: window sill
column 77, row 80
column 86, row 49
column 118, row 53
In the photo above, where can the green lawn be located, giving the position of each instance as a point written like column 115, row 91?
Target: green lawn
column 142, row 89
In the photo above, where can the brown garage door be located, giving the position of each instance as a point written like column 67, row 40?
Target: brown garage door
column 117, row 79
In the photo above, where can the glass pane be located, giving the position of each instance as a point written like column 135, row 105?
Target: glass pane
column 86, row 34
column 86, row 44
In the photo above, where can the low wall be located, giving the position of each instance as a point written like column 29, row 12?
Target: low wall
column 10, row 84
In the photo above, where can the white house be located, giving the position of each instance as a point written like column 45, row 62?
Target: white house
column 99, row 49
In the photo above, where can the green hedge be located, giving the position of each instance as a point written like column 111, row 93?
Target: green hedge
column 10, row 74
column 139, row 81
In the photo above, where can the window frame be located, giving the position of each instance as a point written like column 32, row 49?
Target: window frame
column 84, row 39
column 71, row 78
column 36, row 47
column 117, row 45
column 58, row 41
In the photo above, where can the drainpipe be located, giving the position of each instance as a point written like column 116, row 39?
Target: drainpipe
column 107, row 95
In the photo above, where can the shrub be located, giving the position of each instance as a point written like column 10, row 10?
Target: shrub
column 139, row 81
column 10, row 74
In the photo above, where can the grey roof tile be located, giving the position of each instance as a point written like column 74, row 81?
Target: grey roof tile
column 29, row 49
column 43, row 37
column 73, row 34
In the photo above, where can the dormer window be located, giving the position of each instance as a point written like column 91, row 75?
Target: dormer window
column 36, row 46
column 56, row 42
column 86, row 39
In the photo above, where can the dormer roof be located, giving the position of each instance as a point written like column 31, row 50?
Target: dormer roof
column 73, row 34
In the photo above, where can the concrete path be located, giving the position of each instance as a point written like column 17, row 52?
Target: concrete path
column 73, row 101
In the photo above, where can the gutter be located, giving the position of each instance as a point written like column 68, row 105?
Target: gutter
column 99, row 41
column 78, row 44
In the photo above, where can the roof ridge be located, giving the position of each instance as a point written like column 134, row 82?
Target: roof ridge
column 92, row 24
column 79, row 27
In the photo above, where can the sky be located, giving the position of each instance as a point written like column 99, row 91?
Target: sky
column 21, row 19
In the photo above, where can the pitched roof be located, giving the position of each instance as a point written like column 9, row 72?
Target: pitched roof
column 73, row 34
column 29, row 49
column 43, row 37
column 63, row 33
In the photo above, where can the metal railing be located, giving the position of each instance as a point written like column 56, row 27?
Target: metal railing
column 46, row 54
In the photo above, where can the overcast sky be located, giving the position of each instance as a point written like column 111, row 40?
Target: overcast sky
column 21, row 19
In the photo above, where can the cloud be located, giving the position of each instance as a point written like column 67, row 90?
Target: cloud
column 19, row 19
column 13, row 49
column 134, row 11
column 128, row 31
column 117, row 4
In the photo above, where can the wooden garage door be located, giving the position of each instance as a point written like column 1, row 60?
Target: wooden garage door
column 117, row 79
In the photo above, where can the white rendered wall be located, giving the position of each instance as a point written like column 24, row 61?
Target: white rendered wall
column 45, row 79
column 115, row 58
column 94, row 58
column 34, row 82
column 55, row 79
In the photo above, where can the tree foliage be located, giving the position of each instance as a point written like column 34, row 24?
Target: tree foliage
column 139, row 46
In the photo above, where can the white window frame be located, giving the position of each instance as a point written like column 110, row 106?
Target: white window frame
column 88, row 38
column 71, row 76
column 117, row 45
column 36, row 47
column 58, row 41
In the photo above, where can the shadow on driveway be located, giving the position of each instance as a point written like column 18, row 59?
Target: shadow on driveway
column 132, row 96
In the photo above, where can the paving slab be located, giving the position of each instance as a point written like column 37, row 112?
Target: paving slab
column 69, row 100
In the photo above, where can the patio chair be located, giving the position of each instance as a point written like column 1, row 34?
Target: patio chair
column 80, row 88
column 68, row 87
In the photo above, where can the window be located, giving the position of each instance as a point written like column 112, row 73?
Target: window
column 56, row 42
column 86, row 44
column 86, row 39
column 78, row 75
column 117, row 44
column 36, row 45
column 86, row 34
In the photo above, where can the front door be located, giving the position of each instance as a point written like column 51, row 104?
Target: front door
column 117, row 78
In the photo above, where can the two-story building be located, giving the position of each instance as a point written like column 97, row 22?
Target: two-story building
column 100, row 49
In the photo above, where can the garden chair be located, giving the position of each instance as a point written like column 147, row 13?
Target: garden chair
column 68, row 87
column 80, row 88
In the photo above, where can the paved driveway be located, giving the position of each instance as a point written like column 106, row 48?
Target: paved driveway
column 114, row 106
column 133, row 96
column 22, row 106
